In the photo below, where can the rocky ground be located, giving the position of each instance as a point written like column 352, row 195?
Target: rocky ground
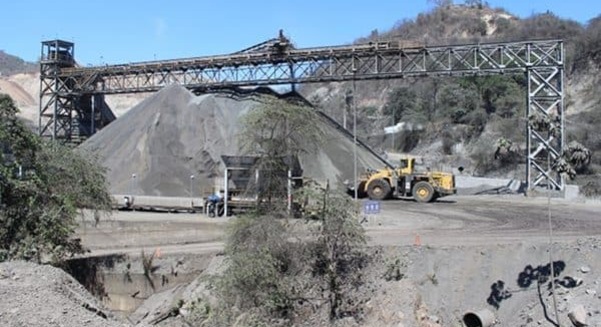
column 41, row 295
column 457, row 255
column 430, row 265
column 424, row 286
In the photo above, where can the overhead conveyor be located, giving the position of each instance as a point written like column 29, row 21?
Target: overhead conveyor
column 66, row 89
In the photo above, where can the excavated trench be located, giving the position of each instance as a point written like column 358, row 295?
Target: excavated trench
column 124, row 282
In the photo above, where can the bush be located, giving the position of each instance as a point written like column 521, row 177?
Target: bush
column 495, row 156
column 448, row 141
column 273, row 277
column 262, row 267
column 589, row 45
column 43, row 185
column 592, row 188
column 337, row 253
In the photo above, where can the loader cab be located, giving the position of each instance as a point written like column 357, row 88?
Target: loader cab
column 406, row 166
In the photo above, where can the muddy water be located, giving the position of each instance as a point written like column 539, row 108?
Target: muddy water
column 121, row 283
column 126, row 292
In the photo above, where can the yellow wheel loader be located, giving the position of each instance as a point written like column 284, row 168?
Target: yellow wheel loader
column 404, row 181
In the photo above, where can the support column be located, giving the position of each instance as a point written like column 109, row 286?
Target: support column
column 56, row 96
column 545, row 133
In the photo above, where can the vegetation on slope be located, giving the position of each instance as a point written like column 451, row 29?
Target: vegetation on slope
column 10, row 64
column 42, row 187
column 466, row 120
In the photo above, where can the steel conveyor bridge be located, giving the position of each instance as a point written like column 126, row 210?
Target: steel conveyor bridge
column 72, row 103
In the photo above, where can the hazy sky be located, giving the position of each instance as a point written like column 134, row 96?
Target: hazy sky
column 111, row 31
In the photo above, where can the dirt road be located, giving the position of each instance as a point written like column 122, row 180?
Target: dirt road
column 457, row 220
column 470, row 220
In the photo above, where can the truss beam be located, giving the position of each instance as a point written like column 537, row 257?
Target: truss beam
column 332, row 64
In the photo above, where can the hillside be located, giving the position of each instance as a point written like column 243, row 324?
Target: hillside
column 10, row 65
column 465, row 118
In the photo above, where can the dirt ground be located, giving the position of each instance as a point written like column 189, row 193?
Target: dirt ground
column 460, row 254
column 41, row 295
column 454, row 220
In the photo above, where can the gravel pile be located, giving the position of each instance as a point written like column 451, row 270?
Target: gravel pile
column 174, row 134
column 41, row 295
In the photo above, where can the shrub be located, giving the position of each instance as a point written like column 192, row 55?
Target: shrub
column 592, row 188
column 42, row 187
column 271, row 275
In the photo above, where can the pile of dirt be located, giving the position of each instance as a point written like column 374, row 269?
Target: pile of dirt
column 41, row 295
column 155, row 147
column 16, row 87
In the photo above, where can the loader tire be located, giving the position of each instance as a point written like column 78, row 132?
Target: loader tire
column 378, row 189
column 423, row 192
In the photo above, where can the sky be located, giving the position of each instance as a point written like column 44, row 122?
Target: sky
column 113, row 32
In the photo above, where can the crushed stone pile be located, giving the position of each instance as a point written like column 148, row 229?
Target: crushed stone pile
column 42, row 295
column 174, row 134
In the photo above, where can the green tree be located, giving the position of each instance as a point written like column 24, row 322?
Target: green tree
column 273, row 275
column 400, row 101
column 278, row 131
column 457, row 102
column 264, row 271
column 42, row 187
column 276, row 271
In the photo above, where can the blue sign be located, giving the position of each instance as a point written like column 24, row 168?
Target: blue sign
column 371, row 207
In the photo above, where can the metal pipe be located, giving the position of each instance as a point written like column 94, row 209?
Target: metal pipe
column 289, row 191
column 225, row 194
column 355, row 136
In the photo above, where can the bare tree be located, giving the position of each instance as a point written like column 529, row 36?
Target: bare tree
column 441, row 3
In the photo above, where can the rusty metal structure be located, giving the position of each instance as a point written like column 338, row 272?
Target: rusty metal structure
column 72, row 103
column 67, row 112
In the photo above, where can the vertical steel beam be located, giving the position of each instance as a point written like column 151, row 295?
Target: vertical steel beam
column 546, row 124
column 528, row 131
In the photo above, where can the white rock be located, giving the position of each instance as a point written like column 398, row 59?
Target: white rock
column 585, row 269
column 577, row 316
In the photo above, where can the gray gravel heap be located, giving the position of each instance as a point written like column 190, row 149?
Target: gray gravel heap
column 42, row 295
column 174, row 134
